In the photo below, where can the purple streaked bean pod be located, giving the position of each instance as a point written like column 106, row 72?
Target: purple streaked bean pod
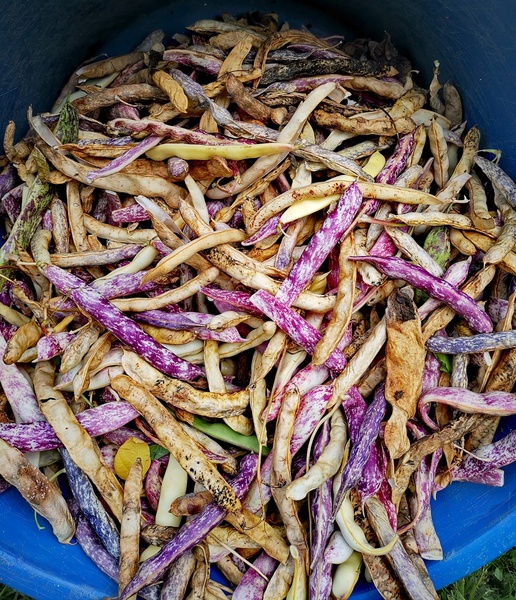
column 46, row 220
column 206, row 63
column 499, row 179
column 174, row 133
column 99, row 210
column 113, row 142
column 483, row 342
column 91, row 507
column 424, row 476
column 108, row 452
column 269, row 228
column 126, row 330
column 501, row 404
column 303, row 84
column 426, row 537
column 189, row 321
column 332, row 280
column 238, row 300
column 121, row 110
column 29, row 217
column 320, row 581
column 123, row 284
column 39, row 435
column 252, row 585
column 436, row 287
column 153, row 484
column 478, row 473
column 113, row 203
column 320, row 245
column 53, row 344
column 430, row 380
column 355, row 408
column 301, row 332
column 93, row 548
column 373, row 473
column 459, row 374
column 122, row 434
column 496, row 308
column 397, row 161
column 384, row 246
column 6, row 329
column 311, row 408
column 482, row 465
column 390, row 172
column 134, row 213
column 178, row 576
column 11, row 202
column 456, row 274
column 321, row 503
column 191, row 533
column 7, row 179
column 361, row 449
column 19, row 391
column 431, row 373
column 304, row 380
column 125, row 159
column 287, row 246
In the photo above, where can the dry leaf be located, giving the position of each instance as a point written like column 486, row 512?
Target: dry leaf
column 173, row 90
column 405, row 357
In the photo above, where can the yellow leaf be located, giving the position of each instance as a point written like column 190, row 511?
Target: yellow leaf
column 127, row 454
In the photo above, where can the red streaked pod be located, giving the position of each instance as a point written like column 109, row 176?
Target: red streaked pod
column 268, row 229
column 397, row 161
column 125, row 159
column 500, row 404
column 39, row 435
column 53, row 344
column 300, row 331
column 361, row 449
column 252, row 585
column 482, row 466
column 19, row 391
column 122, row 327
column 307, row 378
column 320, row 581
column 424, row 476
column 190, row 534
column 311, row 409
column 237, row 299
column 431, row 375
column 436, row 287
column 321, row 503
column 153, row 484
column 321, row 244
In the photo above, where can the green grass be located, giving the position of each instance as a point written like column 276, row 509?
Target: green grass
column 496, row 581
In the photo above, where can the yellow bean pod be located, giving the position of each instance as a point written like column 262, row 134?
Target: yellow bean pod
column 231, row 152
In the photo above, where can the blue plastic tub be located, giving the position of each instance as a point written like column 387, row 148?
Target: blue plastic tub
column 475, row 43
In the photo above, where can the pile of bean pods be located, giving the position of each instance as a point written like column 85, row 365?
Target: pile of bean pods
column 256, row 309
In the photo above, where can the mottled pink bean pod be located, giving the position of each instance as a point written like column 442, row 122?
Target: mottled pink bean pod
column 321, row 244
